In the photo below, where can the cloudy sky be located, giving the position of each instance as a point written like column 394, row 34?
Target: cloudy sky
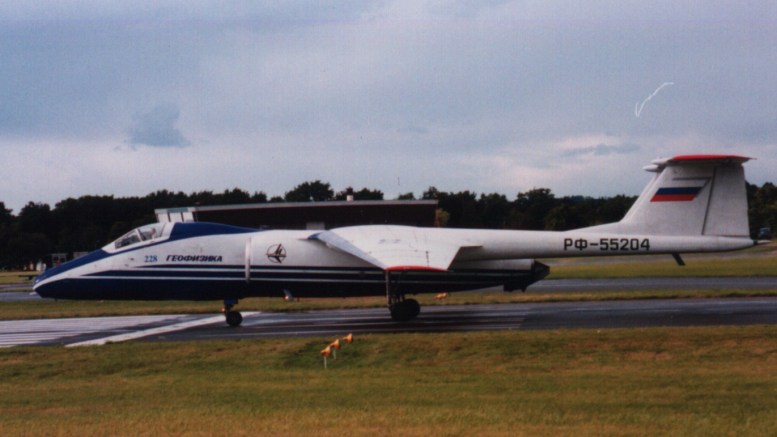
column 125, row 98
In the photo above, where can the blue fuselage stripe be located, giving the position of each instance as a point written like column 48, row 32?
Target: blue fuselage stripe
column 208, row 282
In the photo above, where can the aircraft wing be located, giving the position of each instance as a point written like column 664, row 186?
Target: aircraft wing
column 394, row 247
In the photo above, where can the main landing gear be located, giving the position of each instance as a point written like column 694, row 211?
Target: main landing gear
column 234, row 318
column 404, row 310
column 401, row 309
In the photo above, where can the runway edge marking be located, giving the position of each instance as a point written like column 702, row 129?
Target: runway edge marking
column 153, row 331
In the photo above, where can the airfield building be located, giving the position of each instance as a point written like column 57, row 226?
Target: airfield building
column 309, row 215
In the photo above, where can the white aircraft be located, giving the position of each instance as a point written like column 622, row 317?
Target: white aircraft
column 694, row 203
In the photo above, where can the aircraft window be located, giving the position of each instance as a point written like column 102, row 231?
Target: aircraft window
column 150, row 232
column 144, row 233
column 131, row 237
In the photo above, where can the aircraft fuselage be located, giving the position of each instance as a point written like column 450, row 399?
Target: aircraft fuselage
column 240, row 263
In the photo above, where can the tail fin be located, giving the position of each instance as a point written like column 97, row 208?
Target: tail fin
column 690, row 195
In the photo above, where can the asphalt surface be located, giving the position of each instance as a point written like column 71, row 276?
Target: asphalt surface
column 458, row 318
column 16, row 296
column 448, row 318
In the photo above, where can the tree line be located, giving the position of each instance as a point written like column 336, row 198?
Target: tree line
column 89, row 222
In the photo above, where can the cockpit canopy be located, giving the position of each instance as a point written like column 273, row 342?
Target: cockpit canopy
column 140, row 236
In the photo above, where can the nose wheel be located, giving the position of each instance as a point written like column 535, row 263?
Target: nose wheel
column 233, row 318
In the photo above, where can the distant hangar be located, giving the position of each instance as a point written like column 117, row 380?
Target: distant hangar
column 309, row 215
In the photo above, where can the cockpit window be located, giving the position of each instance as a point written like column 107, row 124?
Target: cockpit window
column 149, row 232
column 145, row 233
column 127, row 239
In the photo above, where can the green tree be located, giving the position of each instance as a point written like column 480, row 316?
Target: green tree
column 612, row 209
column 530, row 209
column 233, row 197
column 28, row 247
column 495, row 209
column 556, row 218
column 259, row 197
column 762, row 207
column 463, row 209
column 431, row 193
column 363, row 194
column 6, row 216
column 37, row 218
column 310, row 191
column 6, row 221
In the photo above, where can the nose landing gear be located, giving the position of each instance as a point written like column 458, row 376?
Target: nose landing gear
column 233, row 318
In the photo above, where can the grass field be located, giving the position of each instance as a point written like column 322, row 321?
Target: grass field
column 16, row 278
column 759, row 261
column 683, row 381
column 690, row 381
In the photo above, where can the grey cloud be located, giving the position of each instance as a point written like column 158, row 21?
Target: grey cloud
column 157, row 128
column 412, row 77
column 603, row 150
column 413, row 129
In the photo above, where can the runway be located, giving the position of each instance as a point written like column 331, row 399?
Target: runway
column 452, row 318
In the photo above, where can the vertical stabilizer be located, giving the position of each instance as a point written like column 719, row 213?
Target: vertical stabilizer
column 690, row 195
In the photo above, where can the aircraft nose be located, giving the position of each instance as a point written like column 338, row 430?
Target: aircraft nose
column 39, row 278
column 58, row 282
column 43, row 284
column 36, row 284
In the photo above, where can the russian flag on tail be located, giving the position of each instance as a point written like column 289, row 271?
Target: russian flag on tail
column 676, row 194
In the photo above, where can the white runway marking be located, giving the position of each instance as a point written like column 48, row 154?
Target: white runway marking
column 153, row 331
column 121, row 328
column 17, row 332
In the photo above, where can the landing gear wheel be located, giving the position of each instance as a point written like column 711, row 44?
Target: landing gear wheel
column 413, row 307
column 398, row 313
column 401, row 309
column 405, row 310
column 234, row 318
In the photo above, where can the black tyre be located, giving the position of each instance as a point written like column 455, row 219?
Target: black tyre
column 405, row 310
column 234, row 318
column 413, row 308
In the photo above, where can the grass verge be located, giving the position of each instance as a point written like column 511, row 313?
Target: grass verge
column 659, row 267
column 689, row 381
column 17, row 278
